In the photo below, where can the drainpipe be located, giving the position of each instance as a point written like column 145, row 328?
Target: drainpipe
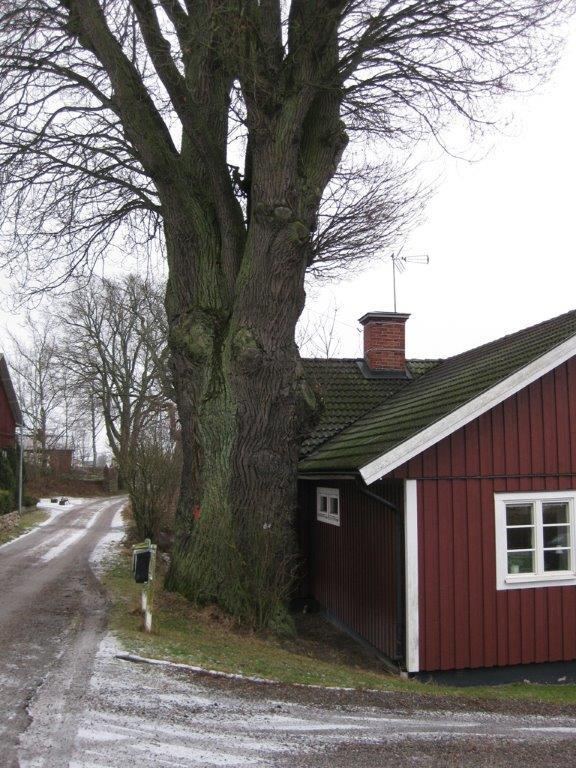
column 399, row 564
column 20, row 469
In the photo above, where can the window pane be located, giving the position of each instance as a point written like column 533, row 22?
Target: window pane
column 519, row 514
column 333, row 506
column 520, row 538
column 556, row 536
column 555, row 513
column 323, row 503
column 557, row 560
column 520, row 562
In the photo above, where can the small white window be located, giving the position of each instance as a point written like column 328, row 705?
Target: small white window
column 328, row 505
column 535, row 539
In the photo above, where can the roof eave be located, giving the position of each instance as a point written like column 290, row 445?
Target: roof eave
column 421, row 441
column 329, row 475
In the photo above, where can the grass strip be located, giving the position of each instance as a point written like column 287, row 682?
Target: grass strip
column 30, row 519
column 207, row 638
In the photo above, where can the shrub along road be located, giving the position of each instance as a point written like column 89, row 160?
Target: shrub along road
column 66, row 700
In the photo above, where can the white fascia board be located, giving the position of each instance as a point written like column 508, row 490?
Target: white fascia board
column 412, row 657
column 423, row 440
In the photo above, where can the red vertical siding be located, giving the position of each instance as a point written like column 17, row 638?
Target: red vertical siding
column 7, row 423
column 527, row 442
column 430, row 585
column 351, row 568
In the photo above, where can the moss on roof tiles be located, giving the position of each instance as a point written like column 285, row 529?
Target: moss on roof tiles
column 346, row 394
column 440, row 390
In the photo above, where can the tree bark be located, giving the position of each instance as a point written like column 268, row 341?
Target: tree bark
column 242, row 405
column 234, row 298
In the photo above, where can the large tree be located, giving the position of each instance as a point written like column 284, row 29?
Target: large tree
column 222, row 125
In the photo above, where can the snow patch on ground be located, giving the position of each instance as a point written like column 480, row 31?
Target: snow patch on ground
column 138, row 714
column 191, row 668
column 108, row 543
column 53, row 510
column 154, row 715
column 77, row 534
column 74, row 501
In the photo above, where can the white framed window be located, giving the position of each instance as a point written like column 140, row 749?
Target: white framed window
column 535, row 539
column 328, row 505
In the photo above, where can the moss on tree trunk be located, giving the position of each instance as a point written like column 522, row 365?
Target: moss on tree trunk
column 235, row 293
column 240, row 414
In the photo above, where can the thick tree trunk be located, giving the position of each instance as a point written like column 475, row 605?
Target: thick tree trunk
column 234, row 296
column 241, row 409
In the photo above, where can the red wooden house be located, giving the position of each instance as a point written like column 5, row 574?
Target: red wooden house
column 10, row 414
column 438, row 499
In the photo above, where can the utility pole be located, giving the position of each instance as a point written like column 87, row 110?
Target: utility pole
column 21, row 469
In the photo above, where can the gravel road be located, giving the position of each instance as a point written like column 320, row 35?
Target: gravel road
column 67, row 701
column 154, row 716
column 52, row 619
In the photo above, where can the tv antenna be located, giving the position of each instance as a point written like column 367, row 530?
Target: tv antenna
column 399, row 265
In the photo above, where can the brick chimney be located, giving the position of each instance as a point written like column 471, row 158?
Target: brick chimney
column 384, row 345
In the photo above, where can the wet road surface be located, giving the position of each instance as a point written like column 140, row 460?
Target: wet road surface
column 52, row 617
column 160, row 716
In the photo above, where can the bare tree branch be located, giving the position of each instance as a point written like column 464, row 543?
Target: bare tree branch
column 114, row 345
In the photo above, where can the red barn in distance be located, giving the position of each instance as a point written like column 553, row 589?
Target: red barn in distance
column 437, row 502
column 10, row 414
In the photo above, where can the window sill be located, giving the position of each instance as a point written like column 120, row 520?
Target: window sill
column 328, row 519
column 560, row 579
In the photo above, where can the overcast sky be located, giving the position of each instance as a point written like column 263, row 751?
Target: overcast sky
column 499, row 233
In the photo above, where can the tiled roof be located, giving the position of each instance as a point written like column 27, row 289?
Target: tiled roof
column 435, row 394
column 346, row 394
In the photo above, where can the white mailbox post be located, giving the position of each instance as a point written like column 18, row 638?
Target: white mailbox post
column 143, row 569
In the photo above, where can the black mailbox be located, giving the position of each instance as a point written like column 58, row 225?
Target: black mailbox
column 141, row 566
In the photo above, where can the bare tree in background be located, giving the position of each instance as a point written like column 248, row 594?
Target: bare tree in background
column 57, row 411
column 87, row 424
column 38, row 377
column 318, row 335
column 223, row 125
column 113, row 346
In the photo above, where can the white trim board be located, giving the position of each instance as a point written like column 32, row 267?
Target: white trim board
column 411, row 575
column 423, row 440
